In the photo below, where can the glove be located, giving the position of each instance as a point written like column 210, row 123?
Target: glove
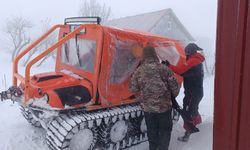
column 165, row 62
column 175, row 104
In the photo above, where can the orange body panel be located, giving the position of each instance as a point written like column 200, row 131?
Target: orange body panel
column 105, row 84
column 115, row 94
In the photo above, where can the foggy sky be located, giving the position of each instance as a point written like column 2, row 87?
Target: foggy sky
column 198, row 16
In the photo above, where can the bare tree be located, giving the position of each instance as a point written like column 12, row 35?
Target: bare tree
column 49, row 41
column 92, row 8
column 17, row 30
column 45, row 44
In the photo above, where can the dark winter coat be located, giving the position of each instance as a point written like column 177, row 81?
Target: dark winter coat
column 192, row 73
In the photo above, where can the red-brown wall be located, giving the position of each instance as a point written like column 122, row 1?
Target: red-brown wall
column 232, row 80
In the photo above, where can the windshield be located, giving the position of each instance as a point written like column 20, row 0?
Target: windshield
column 79, row 53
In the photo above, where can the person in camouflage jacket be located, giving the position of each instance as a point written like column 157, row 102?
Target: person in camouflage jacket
column 154, row 84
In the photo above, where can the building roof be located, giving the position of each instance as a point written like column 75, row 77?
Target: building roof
column 147, row 21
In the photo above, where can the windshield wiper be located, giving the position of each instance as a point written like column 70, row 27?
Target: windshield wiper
column 66, row 51
column 78, row 51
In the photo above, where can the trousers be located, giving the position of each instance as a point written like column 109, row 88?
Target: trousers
column 191, row 107
column 159, row 128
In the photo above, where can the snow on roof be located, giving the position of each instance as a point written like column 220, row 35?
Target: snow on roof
column 147, row 21
column 142, row 22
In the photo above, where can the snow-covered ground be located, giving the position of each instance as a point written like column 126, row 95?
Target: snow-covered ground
column 17, row 134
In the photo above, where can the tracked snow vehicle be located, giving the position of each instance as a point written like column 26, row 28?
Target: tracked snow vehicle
column 85, row 104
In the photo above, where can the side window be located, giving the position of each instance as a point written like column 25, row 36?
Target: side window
column 123, row 62
column 87, row 54
column 169, row 53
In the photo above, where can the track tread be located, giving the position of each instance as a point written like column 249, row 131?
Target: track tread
column 28, row 116
column 62, row 128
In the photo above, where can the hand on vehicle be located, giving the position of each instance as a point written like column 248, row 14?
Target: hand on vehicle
column 165, row 62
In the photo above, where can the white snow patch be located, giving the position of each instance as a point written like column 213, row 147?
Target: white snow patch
column 42, row 103
column 16, row 133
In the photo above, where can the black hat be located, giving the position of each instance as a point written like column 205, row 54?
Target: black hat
column 149, row 53
column 192, row 48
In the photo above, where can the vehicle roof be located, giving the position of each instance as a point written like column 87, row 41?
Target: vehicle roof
column 133, row 32
column 140, row 35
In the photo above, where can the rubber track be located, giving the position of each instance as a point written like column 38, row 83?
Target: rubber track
column 28, row 116
column 61, row 129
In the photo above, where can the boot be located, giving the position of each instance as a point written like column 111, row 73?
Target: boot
column 184, row 138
